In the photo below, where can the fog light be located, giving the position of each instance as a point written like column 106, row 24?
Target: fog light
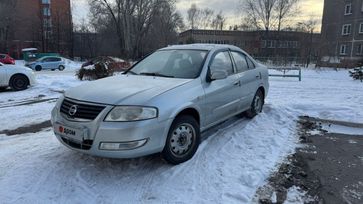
column 122, row 145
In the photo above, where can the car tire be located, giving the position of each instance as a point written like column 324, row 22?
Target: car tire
column 61, row 68
column 19, row 82
column 182, row 141
column 256, row 106
column 38, row 68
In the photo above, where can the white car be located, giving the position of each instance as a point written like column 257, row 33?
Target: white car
column 16, row 77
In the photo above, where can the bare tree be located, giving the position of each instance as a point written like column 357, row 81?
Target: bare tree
column 6, row 19
column 307, row 26
column 219, row 21
column 207, row 18
column 284, row 9
column 131, row 21
column 268, row 14
column 259, row 12
column 194, row 16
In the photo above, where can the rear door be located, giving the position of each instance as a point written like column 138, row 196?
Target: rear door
column 221, row 96
column 248, row 76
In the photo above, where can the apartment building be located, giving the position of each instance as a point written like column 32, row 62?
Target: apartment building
column 42, row 24
column 342, row 33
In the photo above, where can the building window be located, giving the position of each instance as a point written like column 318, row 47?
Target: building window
column 47, row 35
column 346, row 29
column 46, row 11
column 359, row 49
column 361, row 28
column 343, row 49
column 47, row 23
column 271, row 44
column 348, row 9
column 45, row 1
column 263, row 44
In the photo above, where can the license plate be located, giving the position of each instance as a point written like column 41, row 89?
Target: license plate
column 69, row 132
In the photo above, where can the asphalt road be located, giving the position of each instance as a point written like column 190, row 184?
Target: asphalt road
column 329, row 167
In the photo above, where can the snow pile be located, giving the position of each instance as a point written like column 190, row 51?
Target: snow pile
column 295, row 196
column 72, row 65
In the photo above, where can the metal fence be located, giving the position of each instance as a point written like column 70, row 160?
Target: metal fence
column 286, row 61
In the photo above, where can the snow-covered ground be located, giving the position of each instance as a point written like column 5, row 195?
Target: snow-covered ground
column 236, row 158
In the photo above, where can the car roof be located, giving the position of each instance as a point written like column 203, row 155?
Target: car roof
column 199, row 46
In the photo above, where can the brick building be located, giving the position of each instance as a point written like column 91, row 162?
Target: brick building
column 42, row 24
column 287, row 44
column 342, row 33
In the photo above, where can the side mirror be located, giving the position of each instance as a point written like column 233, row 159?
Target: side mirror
column 218, row 75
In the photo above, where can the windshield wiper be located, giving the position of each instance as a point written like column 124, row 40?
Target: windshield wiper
column 156, row 74
column 130, row 72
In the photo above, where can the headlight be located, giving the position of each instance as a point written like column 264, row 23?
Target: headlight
column 131, row 113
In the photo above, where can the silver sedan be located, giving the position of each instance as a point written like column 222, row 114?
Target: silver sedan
column 162, row 104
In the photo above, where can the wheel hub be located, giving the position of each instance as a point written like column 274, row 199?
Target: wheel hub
column 182, row 139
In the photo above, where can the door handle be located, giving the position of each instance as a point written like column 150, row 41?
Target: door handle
column 258, row 76
column 237, row 83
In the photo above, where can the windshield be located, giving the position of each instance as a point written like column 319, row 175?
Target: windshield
column 185, row 64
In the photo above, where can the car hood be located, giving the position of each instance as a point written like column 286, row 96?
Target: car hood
column 18, row 68
column 124, row 89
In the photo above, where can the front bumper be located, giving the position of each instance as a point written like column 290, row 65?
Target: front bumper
column 150, row 135
column 32, row 79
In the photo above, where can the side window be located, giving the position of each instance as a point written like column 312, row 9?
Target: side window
column 240, row 60
column 222, row 61
column 251, row 65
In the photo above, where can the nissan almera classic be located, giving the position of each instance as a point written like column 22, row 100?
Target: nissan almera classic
column 162, row 104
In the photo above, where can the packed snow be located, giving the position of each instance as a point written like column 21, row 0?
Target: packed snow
column 296, row 195
column 233, row 161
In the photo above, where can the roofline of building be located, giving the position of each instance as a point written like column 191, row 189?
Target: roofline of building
column 240, row 31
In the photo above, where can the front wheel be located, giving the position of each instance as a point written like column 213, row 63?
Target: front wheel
column 61, row 68
column 256, row 106
column 182, row 141
column 19, row 82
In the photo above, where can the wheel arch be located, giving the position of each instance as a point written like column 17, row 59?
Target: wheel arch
column 263, row 90
column 191, row 112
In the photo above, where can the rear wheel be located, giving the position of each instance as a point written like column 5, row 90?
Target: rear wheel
column 19, row 82
column 256, row 106
column 182, row 141
column 61, row 68
column 38, row 68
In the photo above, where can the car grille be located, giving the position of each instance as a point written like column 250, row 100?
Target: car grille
column 83, row 111
column 85, row 145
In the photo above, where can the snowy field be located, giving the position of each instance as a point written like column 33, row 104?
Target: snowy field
column 232, row 162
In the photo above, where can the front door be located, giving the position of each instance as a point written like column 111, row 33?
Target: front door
column 221, row 96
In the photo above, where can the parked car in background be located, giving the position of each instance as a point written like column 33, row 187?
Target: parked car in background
column 47, row 63
column 16, row 77
column 101, row 67
column 162, row 103
column 6, row 59
column 113, row 63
